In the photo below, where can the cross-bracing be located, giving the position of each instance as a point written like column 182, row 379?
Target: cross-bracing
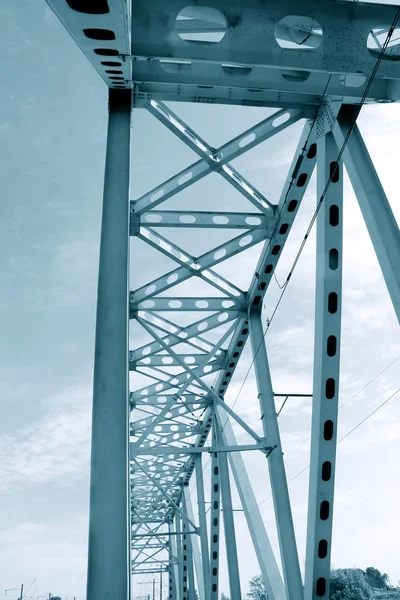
column 148, row 469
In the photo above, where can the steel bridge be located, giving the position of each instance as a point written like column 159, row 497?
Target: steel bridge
column 310, row 61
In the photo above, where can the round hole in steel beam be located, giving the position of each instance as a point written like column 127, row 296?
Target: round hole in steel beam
column 377, row 39
column 296, row 32
column 201, row 25
column 295, row 76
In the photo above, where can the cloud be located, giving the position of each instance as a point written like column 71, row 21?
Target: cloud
column 50, row 556
column 53, row 449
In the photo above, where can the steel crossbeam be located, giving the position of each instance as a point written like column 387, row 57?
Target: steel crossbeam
column 310, row 61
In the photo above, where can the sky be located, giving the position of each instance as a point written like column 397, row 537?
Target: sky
column 53, row 114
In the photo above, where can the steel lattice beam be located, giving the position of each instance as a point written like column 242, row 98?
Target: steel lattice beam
column 192, row 322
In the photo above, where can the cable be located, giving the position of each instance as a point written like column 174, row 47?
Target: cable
column 342, row 438
column 349, row 399
column 340, row 406
column 370, row 415
column 338, row 442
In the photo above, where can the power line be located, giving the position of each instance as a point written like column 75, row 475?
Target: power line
column 340, row 406
column 351, row 398
column 342, row 438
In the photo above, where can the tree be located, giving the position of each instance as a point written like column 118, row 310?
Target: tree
column 376, row 579
column 223, row 597
column 349, row 584
column 257, row 588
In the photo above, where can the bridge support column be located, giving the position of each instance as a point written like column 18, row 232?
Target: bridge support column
column 328, row 307
column 229, row 523
column 277, row 473
column 109, row 523
column 202, row 525
column 215, row 516
column 262, row 546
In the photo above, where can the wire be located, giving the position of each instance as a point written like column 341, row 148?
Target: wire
column 342, row 438
column 340, row 406
column 349, row 399
column 370, row 415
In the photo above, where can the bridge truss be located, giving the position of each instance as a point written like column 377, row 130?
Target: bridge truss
column 309, row 61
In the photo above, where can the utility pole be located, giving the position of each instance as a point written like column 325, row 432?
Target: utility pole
column 160, row 585
column 12, row 589
column 154, row 589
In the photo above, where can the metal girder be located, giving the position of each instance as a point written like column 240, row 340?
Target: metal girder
column 197, row 557
column 215, row 514
column 108, row 554
column 378, row 216
column 202, row 525
column 173, row 303
column 328, row 307
column 229, row 523
column 260, row 60
column 262, row 546
column 213, row 160
column 245, row 69
column 187, row 559
column 84, row 21
column 196, row 219
column 277, row 472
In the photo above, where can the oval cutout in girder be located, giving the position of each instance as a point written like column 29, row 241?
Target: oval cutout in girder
column 175, row 66
column 236, row 70
column 100, row 7
column 376, row 40
column 296, row 76
column 106, row 52
column 296, row 32
column 99, row 34
column 201, row 25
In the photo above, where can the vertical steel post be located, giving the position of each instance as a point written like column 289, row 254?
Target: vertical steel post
column 181, row 576
column 214, row 520
column 109, row 522
column 202, row 525
column 187, row 553
column 375, row 208
column 229, row 523
column 198, row 565
column 174, row 590
column 328, row 304
column 262, row 546
column 277, row 473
